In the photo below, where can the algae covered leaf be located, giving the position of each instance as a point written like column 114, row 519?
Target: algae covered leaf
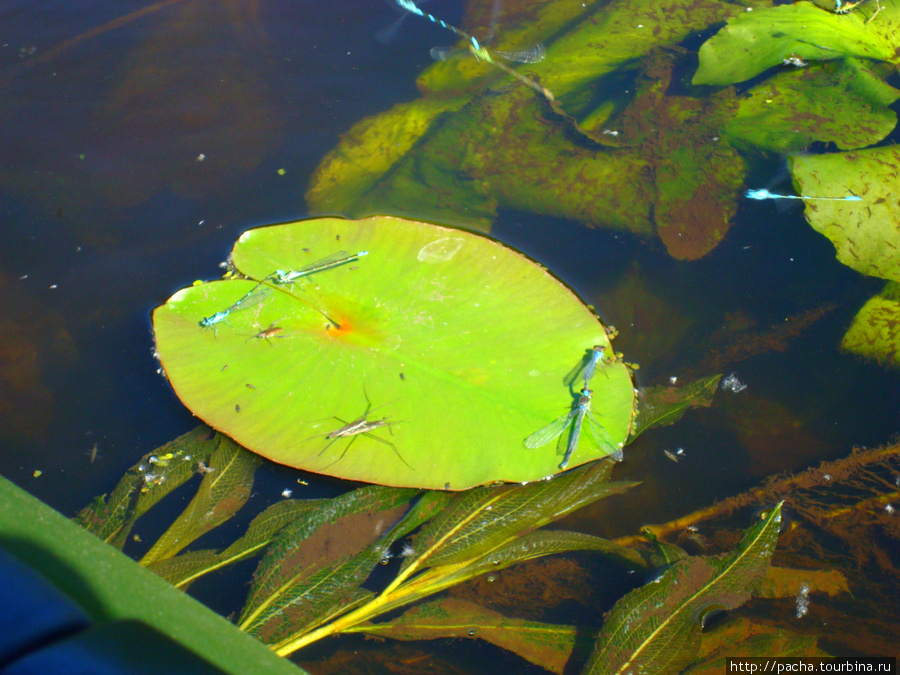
column 544, row 644
column 224, row 490
column 663, row 405
column 316, row 564
column 753, row 41
column 875, row 330
column 294, row 602
column 480, row 521
column 842, row 102
column 864, row 232
column 656, row 628
column 424, row 360
column 146, row 483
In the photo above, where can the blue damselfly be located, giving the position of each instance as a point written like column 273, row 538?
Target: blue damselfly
column 575, row 418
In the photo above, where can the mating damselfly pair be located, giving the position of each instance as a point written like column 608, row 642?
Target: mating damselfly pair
column 576, row 417
column 482, row 53
column 279, row 279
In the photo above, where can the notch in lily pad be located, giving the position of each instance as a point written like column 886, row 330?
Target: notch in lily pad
column 426, row 363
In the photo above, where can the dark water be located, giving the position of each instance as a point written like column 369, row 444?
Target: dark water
column 139, row 140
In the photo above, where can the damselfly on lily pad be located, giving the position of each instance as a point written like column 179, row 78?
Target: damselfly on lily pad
column 453, row 348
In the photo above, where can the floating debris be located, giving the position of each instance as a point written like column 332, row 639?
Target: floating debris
column 803, row 600
column 733, row 384
column 675, row 456
column 203, row 469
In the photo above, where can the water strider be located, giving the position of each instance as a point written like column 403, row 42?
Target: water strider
column 360, row 426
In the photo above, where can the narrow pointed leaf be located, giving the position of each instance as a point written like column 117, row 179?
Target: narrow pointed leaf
column 664, row 405
column 189, row 565
column 429, row 505
column 329, row 587
column 222, row 493
column 548, row 542
column 322, row 538
column 331, row 591
column 656, row 628
column 159, row 480
column 540, row 544
column 267, row 524
column 663, row 552
column 528, row 547
column 478, row 521
column 144, row 484
column 315, row 599
column 546, row 645
column 740, row 637
column 182, row 569
column 106, row 517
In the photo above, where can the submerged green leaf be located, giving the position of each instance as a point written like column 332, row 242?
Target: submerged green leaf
column 753, row 41
column 474, row 532
column 145, row 484
column 664, row 405
column 656, row 628
column 663, row 552
column 316, row 598
column 349, row 172
column 546, row 645
column 743, row 638
column 314, row 562
column 875, row 330
column 224, row 490
column 478, row 521
column 864, row 232
column 841, row 102
column 537, row 545
column 182, row 569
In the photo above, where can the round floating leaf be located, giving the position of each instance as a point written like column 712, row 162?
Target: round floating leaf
column 456, row 347
column 865, row 232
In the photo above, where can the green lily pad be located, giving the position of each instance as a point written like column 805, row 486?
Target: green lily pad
column 865, row 233
column 461, row 346
column 757, row 40
column 875, row 330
